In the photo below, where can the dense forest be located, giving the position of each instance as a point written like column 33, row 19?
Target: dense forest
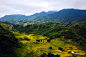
column 8, row 42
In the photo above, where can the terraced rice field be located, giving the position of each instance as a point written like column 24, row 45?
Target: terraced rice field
column 43, row 47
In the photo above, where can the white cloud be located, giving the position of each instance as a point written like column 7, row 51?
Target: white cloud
column 28, row 7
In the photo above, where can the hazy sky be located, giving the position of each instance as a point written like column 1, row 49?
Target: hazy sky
column 29, row 7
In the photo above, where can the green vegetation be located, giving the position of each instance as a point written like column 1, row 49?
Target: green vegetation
column 8, row 43
column 62, row 16
column 48, row 39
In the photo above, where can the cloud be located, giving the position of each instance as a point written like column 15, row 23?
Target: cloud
column 29, row 7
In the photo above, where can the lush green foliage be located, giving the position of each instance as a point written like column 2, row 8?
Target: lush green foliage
column 47, row 37
column 8, row 42
column 75, row 31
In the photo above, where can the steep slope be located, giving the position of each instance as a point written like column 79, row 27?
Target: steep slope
column 82, row 19
column 8, row 43
column 43, row 13
column 65, row 15
column 55, row 38
column 14, row 18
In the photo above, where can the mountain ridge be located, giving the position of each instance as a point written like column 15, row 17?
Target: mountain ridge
column 62, row 16
column 20, row 16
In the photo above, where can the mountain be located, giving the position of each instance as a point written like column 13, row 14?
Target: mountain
column 82, row 19
column 14, row 17
column 43, row 13
column 65, row 15
column 19, row 17
column 51, row 12
column 62, row 16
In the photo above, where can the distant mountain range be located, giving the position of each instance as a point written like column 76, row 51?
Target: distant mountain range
column 18, row 17
column 62, row 16
column 65, row 15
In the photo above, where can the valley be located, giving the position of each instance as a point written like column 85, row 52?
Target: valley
column 45, row 34
column 49, row 39
column 43, row 46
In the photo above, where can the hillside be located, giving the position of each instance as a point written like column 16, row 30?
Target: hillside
column 82, row 19
column 18, row 18
column 77, row 30
column 49, row 39
column 62, row 16
column 8, row 43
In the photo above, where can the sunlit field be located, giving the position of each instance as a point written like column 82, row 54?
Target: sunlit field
column 42, row 46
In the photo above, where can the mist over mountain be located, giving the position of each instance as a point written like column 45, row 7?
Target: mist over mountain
column 43, row 28
column 18, row 17
column 62, row 16
column 62, row 38
column 43, row 13
column 14, row 17
column 65, row 15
